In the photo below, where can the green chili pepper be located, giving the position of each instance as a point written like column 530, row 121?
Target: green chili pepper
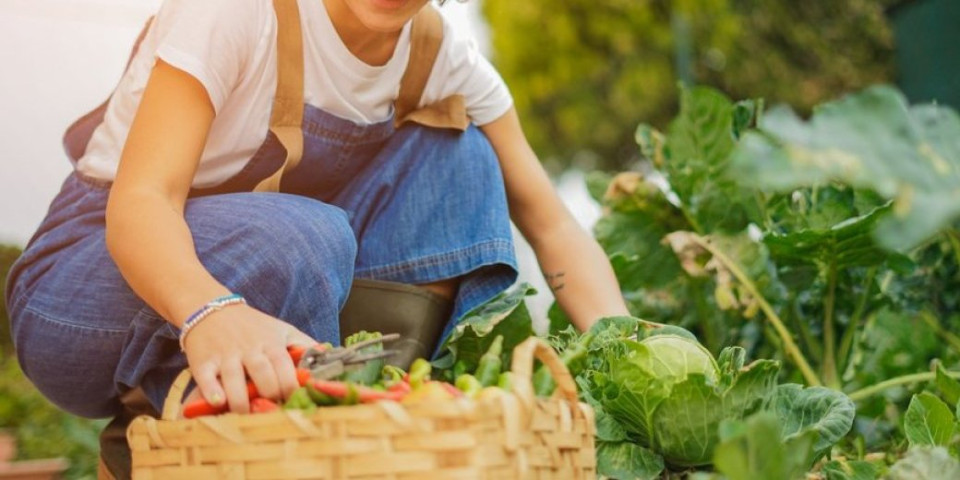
column 469, row 385
column 505, row 381
column 391, row 375
column 300, row 400
column 419, row 373
column 490, row 363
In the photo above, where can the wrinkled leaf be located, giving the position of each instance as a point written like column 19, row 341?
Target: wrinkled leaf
column 872, row 140
column 699, row 142
column 851, row 470
column 828, row 412
column 628, row 461
column 846, row 244
column 506, row 314
column 748, row 256
column 749, row 454
column 679, row 419
column 925, row 464
column 928, row 421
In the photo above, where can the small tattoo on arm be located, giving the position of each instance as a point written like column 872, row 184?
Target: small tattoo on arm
column 555, row 280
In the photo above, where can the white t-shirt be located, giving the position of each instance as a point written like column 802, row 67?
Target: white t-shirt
column 230, row 47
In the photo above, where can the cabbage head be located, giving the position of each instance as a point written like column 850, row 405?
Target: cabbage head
column 670, row 395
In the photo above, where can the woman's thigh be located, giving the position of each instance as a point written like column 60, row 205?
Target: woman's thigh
column 82, row 335
column 432, row 206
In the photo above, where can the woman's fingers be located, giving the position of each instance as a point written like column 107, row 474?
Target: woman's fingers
column 206, row 377
column 235, row 383
column 263, row 373
column 285, row 370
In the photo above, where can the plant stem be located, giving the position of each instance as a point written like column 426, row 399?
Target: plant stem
column 872, row 390
column 788, row 344
column 846, row 343
column 829, row 366
column 814, row 348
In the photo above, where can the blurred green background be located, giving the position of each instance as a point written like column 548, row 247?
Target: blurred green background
column 585, row 73
column 41, row 430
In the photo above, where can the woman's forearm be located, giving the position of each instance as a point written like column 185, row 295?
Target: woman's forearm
column 580, row 276
column 153, row 249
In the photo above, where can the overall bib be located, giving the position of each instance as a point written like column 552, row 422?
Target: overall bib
column 394, row 201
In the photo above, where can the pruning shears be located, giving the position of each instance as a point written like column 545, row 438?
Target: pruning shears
column 328, row 363
column 317, row 362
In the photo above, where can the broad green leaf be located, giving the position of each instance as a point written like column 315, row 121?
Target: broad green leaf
column 851, row 470
column 506, row 314
column 628, row 461
column 685, row 424
column 828, row 412
column 639, row 259
column 871, row 140
column 925, row 464
column 730, row 361
column 928, row 421
column 680, row 420
column 846, row 244
column 751, row 455
column 949, row 386
column 753, row 389
column 739, row 252
column 631, row 233
column 699, row 143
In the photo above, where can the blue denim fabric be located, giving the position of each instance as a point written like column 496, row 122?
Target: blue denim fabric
column 414, row 205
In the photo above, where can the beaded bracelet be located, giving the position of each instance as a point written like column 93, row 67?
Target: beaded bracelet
column 205, row 311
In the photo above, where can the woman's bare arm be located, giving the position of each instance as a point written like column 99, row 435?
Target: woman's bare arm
column 575, row 266
column 151, row 243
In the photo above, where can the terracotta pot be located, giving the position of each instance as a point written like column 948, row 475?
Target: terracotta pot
column 8, row 447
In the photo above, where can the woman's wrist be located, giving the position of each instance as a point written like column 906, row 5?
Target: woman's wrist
column 205, row 311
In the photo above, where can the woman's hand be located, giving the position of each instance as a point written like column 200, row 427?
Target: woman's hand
column 240, row 341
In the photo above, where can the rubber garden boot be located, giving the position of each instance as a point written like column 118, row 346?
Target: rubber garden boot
column 114, row 451
column 416, row 313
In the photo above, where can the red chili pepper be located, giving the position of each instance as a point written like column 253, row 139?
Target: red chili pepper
column 341, row 390
column 201, row 407
column 303, row 376
column 262, row 405
column 400, row 387
column 452, row 390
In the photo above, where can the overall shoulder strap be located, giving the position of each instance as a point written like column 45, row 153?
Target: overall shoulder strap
column 426, row 36
column 286, row 118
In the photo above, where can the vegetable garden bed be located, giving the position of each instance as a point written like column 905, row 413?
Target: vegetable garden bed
column 826, row 249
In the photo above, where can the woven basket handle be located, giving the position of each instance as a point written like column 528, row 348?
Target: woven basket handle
column 171, row 405
column 522, row 368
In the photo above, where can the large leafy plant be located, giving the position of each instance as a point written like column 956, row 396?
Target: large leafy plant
column 755, row 228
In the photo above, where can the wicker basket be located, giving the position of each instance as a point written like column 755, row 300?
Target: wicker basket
column 514, row 436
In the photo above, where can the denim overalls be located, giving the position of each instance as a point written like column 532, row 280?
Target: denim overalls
column 410, row 204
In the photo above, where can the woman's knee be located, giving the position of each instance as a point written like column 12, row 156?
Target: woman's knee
column 277, row 247
column 70, row 364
